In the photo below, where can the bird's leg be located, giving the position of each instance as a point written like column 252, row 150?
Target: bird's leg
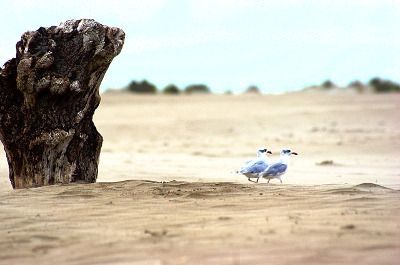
column 280, row 180
column 268, row 181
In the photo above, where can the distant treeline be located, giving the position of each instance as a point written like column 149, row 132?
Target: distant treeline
column 377, row 85
column 145, row 87
column 381, row 85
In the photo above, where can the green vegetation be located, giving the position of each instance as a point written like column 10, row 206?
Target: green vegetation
column 228, row 92
column 253, row 90
column 171, row 89
column 382, row 86
column 143, row 87
column 376, row 84
column 197, row 89
column 357, row 85
column 328, row 84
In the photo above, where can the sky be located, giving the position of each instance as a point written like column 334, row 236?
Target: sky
column 279, row 46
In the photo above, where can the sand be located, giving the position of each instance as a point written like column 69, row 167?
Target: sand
column 167, row 192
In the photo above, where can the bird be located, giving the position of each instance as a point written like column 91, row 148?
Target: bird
column 276, row 170
column 253, row 167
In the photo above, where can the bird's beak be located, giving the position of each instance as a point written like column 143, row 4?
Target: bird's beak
column 269, row 152
column 294, row 153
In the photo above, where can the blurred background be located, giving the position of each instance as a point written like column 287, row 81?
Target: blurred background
column 325, row 59
column 230, row 45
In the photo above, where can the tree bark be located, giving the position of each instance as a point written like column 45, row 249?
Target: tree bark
column 48, row 95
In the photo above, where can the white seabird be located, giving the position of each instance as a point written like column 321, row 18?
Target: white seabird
column 276, row 170
column 252, row 168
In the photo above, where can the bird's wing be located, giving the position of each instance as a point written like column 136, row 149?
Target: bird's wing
column 257, row 167
column 246, row 164
column 275, row 169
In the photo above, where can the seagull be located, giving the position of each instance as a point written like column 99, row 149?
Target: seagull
column 276, row 170
column 252, row 168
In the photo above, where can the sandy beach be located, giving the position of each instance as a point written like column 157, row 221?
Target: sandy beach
column 167, row 191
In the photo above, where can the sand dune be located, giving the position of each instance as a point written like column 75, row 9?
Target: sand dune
column 168, row 194
column 143, row 222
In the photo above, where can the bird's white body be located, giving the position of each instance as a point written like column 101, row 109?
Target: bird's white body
column 252, row 168
column 276, row 170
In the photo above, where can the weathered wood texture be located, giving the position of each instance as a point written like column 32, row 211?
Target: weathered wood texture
column 48, row 95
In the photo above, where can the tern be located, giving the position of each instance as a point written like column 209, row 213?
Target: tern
column 252, row 168
column 276, row 170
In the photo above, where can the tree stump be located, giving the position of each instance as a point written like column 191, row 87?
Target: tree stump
column 48, row 95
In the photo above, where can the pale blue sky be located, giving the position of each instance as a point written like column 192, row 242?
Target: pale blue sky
column 230, row 44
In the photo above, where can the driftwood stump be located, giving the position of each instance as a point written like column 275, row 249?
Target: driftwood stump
column 48, row 95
